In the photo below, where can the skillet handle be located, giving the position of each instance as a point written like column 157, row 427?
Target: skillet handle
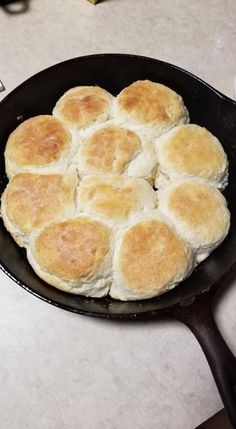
column 198, row 317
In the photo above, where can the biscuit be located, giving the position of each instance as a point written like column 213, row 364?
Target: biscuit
column 40, row 143
column 32, row 200
column 198, row 212
column 115, row 198
column 191, row 151
column 83, row 106
column 149, row 259
column 112, row 150
column 149, row 108
column 73, row 255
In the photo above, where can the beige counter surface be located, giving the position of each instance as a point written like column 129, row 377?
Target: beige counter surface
column 59, row 370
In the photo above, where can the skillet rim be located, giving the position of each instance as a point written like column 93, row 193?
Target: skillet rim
column 141, row 57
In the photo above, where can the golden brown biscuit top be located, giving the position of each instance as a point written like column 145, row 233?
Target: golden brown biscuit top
column 72, row 249
column 150, row 256
column 81, row 106
column 149, row 102
column 115, row 199
column 109, row 149
column 198, row 206
column 37, row 141
column 33, row 200
column 191, row 150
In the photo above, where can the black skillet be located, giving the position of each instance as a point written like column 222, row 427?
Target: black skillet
column 191, row 301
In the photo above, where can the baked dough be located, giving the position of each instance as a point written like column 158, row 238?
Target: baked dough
column 81, row 197
column 82, row 106
column 115, row 199
column 111, row 149
column 190, row 151
column 150, row 258
column 149, row 108
column 73, row 255
column 40, row 143
column 198, row 212
column 32, row 200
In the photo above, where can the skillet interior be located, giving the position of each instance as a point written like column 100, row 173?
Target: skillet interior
column 207, row 107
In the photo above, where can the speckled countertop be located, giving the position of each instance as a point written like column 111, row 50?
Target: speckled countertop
column 63, row 371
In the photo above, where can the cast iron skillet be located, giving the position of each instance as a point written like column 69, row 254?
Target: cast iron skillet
column 191, row 301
